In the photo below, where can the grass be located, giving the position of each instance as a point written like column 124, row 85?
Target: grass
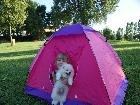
column 15, row 62
column 14, row 65
column 129, row 52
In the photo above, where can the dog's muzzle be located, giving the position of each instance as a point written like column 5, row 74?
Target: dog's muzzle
column 68, row 73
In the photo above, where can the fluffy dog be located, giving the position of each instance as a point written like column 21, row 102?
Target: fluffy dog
column 60, row 89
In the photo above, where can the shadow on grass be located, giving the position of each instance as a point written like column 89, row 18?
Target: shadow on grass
column 13, row 76
column 125, row 45
column 19, row 53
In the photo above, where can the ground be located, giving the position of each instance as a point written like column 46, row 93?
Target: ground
column 15, row 62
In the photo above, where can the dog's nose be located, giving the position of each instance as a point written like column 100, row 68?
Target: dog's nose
column 68, row 73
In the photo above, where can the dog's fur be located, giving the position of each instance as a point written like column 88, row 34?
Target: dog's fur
column 60, row 89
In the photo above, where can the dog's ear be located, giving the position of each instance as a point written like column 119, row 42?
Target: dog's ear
column 70, row 79
column 72, row 71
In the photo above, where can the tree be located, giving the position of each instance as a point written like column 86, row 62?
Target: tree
column 139, row 27
column 114, row 35
column 137, row 35
column 108, row 33
column 36, row 20
column 135, row 28
column 119, row 34
column 12, row 14
column 129, row 31
column 31, row 18
column 81, row 11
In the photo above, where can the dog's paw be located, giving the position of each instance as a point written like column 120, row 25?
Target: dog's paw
column 70, row 82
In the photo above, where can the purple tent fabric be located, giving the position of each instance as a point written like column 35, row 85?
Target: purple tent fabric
column 75, row 29
column 47, row 96
column 120, row 97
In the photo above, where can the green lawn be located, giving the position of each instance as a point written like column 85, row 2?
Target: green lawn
column 15, row 62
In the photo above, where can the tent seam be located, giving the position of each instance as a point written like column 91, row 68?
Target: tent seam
column 114, row 53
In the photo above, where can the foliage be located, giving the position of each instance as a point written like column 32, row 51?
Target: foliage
column 135, row 28
column 138, row 31
column 22, row 15
column 108, row 33
column 119, row 34
column 12, row 14
column 30, row 21
column 132, row 32
column 129, row 31
column 81, row 11
column 36, row 20
column 139, row 26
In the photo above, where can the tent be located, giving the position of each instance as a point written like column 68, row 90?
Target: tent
column 99, row 78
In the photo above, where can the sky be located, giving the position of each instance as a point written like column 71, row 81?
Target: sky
column 127, row 11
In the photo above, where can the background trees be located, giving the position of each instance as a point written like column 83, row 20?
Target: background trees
column 119, row 34
column 138, row 31
column 12, row 14
column 81, row 11
column 108, row 33
column 17, row 16
column 35, row 22
column 130, row 32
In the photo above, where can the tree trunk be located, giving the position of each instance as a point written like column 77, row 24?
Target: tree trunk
column 11, row 39
column 10, row 34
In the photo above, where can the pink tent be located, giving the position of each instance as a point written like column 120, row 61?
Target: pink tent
column 99, row 78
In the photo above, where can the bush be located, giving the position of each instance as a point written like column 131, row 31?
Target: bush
column 137, row 37
column 108, row 34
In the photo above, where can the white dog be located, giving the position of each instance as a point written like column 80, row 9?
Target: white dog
column 60, row 90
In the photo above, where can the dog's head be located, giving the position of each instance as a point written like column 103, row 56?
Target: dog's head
column 66, row 70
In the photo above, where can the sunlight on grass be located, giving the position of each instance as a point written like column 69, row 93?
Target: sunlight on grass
column 119, row 42
column 20, row 46
column 128, row 48
column 16, row 57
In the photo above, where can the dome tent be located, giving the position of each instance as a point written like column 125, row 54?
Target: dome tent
column 99, row 78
